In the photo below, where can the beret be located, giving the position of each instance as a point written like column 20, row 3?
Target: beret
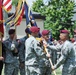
column 64, row 31
column 11, row 31
column 34, row 29
column 45, row 32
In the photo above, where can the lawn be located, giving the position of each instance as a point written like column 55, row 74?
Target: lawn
column 58, row 72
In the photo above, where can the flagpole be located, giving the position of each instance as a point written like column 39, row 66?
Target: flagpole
column 0, row 45
column 1, row 27
column 50, row 60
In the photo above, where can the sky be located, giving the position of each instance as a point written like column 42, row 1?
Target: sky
column 31, row 1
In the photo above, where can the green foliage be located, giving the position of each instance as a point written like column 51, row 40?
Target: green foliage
column 38, row 6
column 58, row 15
column 14, row 2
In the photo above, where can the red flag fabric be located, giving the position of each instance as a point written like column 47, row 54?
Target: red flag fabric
column 1, row 19
column 20, row 18
column 7, row 5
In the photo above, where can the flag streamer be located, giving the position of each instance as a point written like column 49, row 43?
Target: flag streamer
column 17, row 15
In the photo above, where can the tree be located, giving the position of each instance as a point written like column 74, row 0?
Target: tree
column 14, row 2
column 38, row 6
column 58, row 15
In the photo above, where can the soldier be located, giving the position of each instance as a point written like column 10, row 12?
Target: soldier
column 34, row 53
column 74, row 43
column 45, row 37
column 11, row 58
column 67, row 55
column 22, row 52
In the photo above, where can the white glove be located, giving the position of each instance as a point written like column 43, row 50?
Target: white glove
column 12, row 47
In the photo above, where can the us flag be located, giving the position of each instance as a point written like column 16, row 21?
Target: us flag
column 7, row 5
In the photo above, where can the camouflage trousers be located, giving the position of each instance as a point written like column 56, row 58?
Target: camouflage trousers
column 11, row 69
column 22, row 70
column 35, row 70
column 45, row 70
column 71, row 71
column 32, row 70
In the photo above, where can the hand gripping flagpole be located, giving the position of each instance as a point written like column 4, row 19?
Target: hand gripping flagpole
column 50, row 59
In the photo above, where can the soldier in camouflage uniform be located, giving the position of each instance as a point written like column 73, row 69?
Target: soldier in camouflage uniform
column 22, row 52
column 11, row 58
column 34, row 54
column 47, row 68
column 74, row 43
column 68, row 55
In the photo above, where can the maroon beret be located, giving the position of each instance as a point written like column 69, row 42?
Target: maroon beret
column 34, row 29
column 74, row 31
column 45, row 32
column 64, row 31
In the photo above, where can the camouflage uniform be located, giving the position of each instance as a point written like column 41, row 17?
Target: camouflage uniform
column 68, row 56
column 34, row 57
column 11, row 58
column 47, row 68
column 22, row 55
column 53, row 53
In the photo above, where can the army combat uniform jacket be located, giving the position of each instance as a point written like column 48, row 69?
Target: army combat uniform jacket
column 22, row 55
column 11, row 58
column 33, row 56
column 67, row 58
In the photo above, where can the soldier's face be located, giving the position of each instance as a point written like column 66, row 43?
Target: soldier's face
column 46, row 37
column 62, row 36
column 36, row 34
column 12, row 36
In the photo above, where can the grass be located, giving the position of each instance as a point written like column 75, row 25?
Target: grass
column 58, row 72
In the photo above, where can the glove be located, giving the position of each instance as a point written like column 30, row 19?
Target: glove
column 12, row 47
